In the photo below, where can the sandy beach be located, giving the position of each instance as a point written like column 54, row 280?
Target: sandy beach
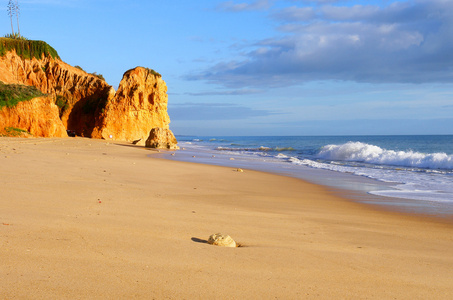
column 93, row 219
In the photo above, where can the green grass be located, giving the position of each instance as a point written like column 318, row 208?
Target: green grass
column 13, row 131
column 27, row 49
column 11, row 94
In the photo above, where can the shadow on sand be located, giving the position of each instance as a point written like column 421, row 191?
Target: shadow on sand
column 197, row 240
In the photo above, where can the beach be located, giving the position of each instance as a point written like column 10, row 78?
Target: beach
column 94, row 219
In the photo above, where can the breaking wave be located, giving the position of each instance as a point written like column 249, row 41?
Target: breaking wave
column 365, row 153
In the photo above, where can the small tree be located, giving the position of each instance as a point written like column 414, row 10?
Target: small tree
column 17, row 10
column 11, row 12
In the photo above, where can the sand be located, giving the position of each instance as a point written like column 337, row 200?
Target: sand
column 91, row 219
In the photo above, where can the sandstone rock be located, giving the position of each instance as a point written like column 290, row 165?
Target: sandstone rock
column 82, row 94
column 161, row 138
column 89, row 106
column 39, row 116
column 139, row 105
column 219, row 239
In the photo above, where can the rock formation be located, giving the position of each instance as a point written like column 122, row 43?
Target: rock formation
column 161, row 138
column 80, row 94
column 139, row 105
column 87, row 105
column 219, row 239
column 38, row 116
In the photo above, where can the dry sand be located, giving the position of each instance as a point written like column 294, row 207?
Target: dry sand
column 88, row 219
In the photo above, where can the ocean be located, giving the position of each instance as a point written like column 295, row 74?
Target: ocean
column 409, row 173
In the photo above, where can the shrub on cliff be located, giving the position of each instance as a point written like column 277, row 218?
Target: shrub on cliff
column 98, row 76
column 11, row 94
column 153, row 72
column 26, row 48
column 62, row 104
column 150, row 71
column 15, row 36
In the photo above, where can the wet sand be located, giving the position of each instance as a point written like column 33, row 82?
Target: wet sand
column 83, row 218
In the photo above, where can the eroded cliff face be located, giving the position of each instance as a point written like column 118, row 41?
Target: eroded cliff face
column 139, row 105
column 87, row 105
column 39, row 116
column 79, row 94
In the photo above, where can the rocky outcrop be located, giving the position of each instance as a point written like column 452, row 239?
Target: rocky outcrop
column 161, row 138
column 139, row 105
column 38, row 116
column 89, row 106
column 81, row 95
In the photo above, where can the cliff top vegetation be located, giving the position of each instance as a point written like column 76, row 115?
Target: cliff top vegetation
column 153, row 72
column 27, row 49
column 150, row 71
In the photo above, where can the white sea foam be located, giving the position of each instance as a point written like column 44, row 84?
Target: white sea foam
column 361, row 152
column 435, row 187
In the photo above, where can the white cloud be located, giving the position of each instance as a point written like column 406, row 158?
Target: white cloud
column 244, row 6
column 356, row 12
column 401, row 42
column 295, row 14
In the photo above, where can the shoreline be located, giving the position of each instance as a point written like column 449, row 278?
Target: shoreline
column 351, row 186
column 372, row 202
column 83, row 218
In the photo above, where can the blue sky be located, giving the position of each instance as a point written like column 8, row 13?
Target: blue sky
column 268, row 67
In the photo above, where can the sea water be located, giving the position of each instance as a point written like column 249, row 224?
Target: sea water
column 411, row 172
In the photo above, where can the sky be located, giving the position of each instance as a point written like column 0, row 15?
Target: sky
column 268, row 67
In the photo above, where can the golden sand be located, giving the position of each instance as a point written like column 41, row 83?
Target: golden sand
column 89, row 219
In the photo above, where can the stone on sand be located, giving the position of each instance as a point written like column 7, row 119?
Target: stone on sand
column 221, row 240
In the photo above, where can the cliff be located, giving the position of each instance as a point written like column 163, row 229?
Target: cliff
column 41, row 117
column 87, row 105
column 79, row 94
column 139, row 105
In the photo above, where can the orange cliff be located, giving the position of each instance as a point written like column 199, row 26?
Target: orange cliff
column 74, row 88
column 42, row 117
column 88, row 105
column 138, row 107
